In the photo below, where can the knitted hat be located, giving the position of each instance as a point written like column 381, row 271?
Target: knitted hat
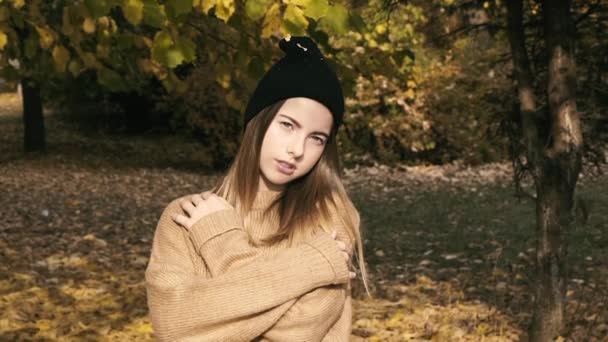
column 302, row 72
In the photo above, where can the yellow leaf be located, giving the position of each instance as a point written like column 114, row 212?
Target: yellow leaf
column 223, row 78
column 207, row 5
column 482, row 329
column 294, row 21
column 381, row 28
column 224, row 9
column 3, row 40
column 234, row 100
column 397, row 320
column 18, row 3
column 272, row 21
column 410, row 94
column 45, row 37
column 144, row 328
column 103, row 50
column 134, row 11
column 88, row 25
column 43, row 324
column 89, row 59
column 104, row 22
column 61, row 56
column 67, row 27
column 75, row 67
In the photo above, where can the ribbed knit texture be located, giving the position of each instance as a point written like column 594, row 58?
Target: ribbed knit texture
column 211, row 283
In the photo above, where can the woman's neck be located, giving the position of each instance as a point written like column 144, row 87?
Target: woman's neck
column 264, row 198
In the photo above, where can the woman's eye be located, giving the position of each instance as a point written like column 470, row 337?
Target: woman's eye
column 319, row 141
column 286, row 124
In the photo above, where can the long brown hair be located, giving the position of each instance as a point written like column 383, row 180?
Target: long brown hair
column 305, row 202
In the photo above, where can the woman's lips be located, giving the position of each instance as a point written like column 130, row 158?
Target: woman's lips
column 285, row 167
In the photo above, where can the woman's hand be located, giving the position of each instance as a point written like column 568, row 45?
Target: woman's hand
column 344, row 249
column 199, row 206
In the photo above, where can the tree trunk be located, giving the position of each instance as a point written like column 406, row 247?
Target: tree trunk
column 559, row 173
column 553, row 154
column 523, row 77
column 33, row 121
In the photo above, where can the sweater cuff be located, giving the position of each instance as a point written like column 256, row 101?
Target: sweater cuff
column 214, row 224
column 325, row 245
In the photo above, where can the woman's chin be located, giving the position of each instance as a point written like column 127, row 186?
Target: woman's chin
column 276, row 179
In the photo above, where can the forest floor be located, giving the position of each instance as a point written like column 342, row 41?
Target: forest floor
column 450, row 249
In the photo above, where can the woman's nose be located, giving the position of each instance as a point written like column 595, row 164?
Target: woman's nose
column 297, row 147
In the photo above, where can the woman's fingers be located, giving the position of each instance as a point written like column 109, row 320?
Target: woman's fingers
column 341, row 244
column 197, row 199
column 181, row 220
column 346, row 257
column 188, row 207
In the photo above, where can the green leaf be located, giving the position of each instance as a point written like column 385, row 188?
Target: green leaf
column 321, row 38
column 187, row 47
column 357, row 22
column 294, row 21
column 3, row 13
column 336, row 19
column 255, row 9
column 133, row 11
column 9, row 73
column 316, row 9
column 162, row 43
column 110, row 79
column 154, row 15
column 400, row 55
column 75, row 68
column 125, row 41
column 99, row 8
column 175, row 57
column 31, row 47
column 255, row 69
column 175, row 8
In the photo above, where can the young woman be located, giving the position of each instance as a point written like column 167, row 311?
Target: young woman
column 265, row 255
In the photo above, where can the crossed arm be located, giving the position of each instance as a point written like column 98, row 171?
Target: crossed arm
column 294, row 294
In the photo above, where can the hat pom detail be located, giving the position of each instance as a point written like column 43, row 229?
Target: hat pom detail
column 302, row 47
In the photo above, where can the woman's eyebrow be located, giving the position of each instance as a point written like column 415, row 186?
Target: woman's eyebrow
column 300, row 126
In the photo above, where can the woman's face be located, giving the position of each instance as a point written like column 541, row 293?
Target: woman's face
column 293, row 142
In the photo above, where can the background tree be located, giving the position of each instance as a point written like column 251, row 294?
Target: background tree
column 553, row 141
column 127, row 42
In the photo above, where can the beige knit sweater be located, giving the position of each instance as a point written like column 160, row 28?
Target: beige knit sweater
column 210, row 283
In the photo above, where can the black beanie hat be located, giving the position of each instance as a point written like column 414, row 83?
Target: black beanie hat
column 302, row 72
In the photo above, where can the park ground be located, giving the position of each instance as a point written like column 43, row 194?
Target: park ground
column 450, row 249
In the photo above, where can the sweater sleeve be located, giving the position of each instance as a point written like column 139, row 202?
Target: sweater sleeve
column 341, row 330
column 185, row 303
column 320, row 308
column 328, row 308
